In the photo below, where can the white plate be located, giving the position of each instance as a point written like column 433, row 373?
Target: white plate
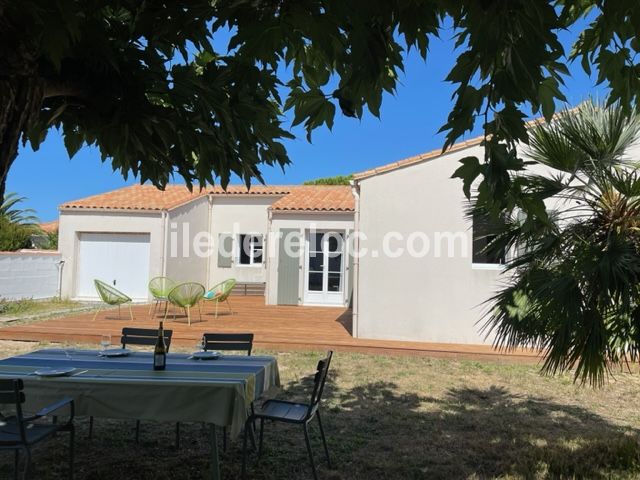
column 54, row 372
column 205, row 355
column 115, row 352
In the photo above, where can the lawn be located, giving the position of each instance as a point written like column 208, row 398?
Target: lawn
column 395, row 418
column 28, row 307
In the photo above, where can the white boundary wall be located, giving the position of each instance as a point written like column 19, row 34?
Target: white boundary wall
column 29, row 274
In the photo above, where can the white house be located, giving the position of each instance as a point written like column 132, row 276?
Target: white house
column 433, row 284
column 396, row 246
column 128, row 236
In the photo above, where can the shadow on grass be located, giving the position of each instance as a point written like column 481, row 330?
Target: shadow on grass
column 376, row 432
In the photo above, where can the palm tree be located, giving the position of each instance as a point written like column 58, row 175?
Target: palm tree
column 17, row 215
column 573, row 284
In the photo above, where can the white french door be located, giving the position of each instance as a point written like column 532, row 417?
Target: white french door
column 324, row 268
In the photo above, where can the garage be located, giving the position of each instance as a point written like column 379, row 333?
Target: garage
column 120, row 259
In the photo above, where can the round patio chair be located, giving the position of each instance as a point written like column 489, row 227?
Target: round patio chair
column 111, row 296
column 160, row 288
column 220, row 293
column 185, row 296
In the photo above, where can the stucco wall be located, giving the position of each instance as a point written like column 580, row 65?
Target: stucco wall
column 187, row 262
column 420, row 299
column 29, row 274
column 301, row 222
column 72, row 223
column 239, row 215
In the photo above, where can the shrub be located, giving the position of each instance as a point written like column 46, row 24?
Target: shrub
column 14, row 236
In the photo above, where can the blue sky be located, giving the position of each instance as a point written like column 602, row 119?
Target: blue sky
column 408, row 125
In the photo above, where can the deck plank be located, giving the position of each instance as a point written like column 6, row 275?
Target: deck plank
column 274, row 327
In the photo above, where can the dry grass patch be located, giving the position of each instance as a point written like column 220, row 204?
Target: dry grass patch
column 395, row 418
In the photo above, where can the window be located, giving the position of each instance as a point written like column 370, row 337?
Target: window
column 249, row 249
column 482, row 238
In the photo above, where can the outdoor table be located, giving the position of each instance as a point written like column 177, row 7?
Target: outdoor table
column 218, row 392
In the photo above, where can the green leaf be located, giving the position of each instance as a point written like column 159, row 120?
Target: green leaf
column 468, row 172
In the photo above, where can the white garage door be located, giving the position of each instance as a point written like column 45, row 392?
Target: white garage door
column 120, row 259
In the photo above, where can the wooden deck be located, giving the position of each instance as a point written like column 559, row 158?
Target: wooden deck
column 274, row 327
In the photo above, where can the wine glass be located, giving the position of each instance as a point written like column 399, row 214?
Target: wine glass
column 105, row 341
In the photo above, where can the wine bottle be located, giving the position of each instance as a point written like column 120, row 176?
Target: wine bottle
column 160, row 351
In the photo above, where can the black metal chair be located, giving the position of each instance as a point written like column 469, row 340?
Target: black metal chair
column 144, row 337
column 238, row 342
column 20, row 433
column 294, row 413
column 228, row 342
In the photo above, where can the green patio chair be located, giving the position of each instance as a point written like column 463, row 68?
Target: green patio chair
column 111, row 296
column 186, row 295
column 160, row 288
column 220, row 293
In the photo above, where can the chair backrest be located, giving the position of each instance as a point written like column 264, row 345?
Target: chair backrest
column 241, row 342
column 143, row 336
column 109, row 294
column 222, row 290
column 186, row 294
column 161, row 286
column 11, row 393
column 318, row 382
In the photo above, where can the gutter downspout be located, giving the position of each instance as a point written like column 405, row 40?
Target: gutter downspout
column 355, row 190
column 60, row 265
column 210, row 257
column 270, row 243
column 165, row 233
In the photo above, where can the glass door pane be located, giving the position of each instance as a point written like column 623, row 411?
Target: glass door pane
column 316, row 263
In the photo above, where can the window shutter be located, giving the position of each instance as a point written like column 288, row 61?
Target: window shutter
column 225, row 250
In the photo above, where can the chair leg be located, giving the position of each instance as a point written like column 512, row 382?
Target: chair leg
column 130, row 312
column 90, row 427
column 261, row 437
column 97, row 312
column 27, row 463
column 189, row 315
column 306, row 440
column 199, row 311
column 244, row 450
column 152, row 306
column 177, row 435
column 324, row 439
column 229, row 305
column 72, row 436
column 137, row 431
column 217, row 308
column 224, row 439
column 16, row 463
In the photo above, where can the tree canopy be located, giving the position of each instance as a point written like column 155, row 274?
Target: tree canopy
column 142, row 81
column 337, row 180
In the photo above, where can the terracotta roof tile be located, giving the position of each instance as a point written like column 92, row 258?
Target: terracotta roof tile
column 148, row 197
column 317, row 198
column 472, row 142
column 417, row 159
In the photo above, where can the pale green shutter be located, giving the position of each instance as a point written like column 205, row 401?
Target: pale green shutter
column 225, row 250
column 288, row 268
